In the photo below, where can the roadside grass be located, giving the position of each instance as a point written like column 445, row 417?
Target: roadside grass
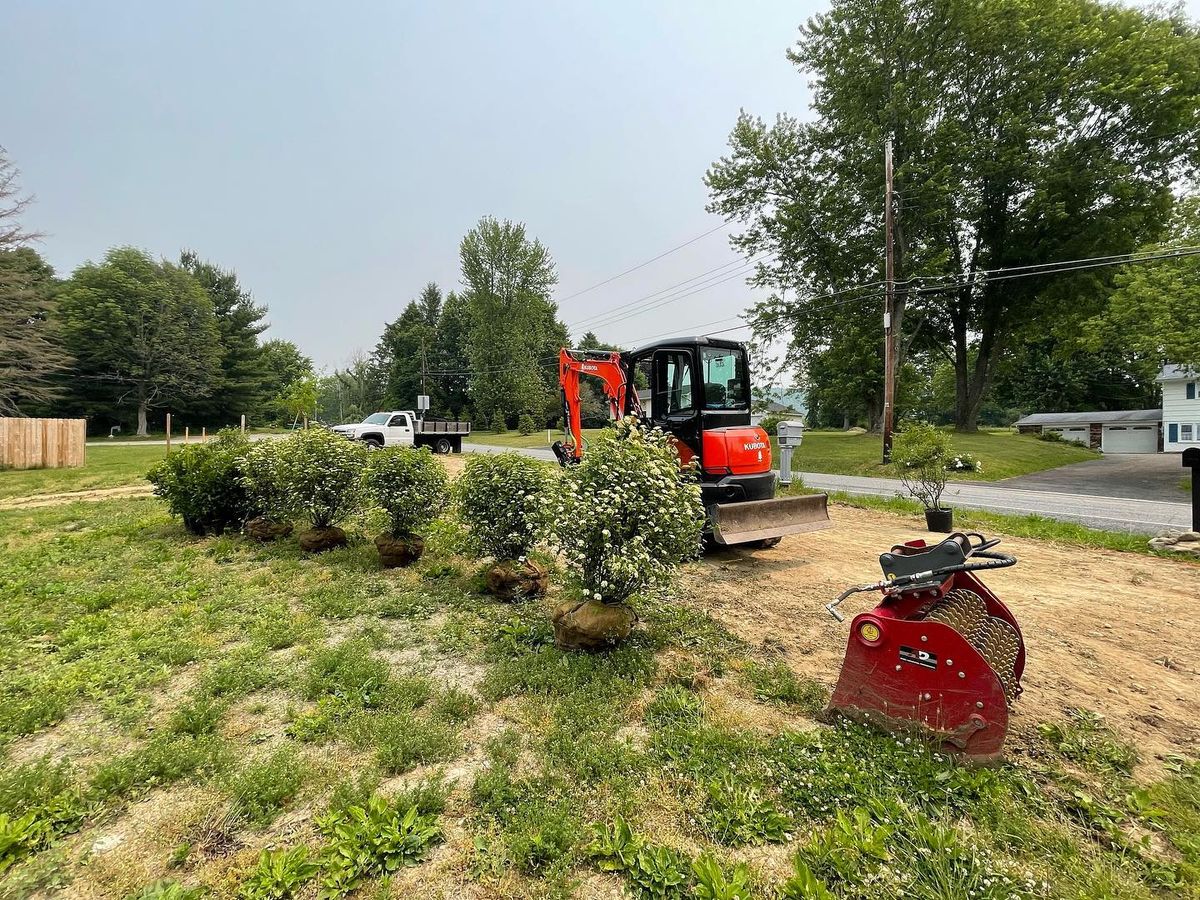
column 1001, row 452
column 105, row 467
column 140, row 667
column 1035, row 527
column 526, row 441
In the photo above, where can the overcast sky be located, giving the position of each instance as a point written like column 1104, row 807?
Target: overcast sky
column 335, row 154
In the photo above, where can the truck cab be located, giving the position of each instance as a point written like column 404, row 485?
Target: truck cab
column 402, row 428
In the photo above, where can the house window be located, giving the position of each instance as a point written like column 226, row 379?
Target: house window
column 1191, row 390
column 1187, row 433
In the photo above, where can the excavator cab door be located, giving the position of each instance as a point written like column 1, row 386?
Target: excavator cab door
column 674, row 404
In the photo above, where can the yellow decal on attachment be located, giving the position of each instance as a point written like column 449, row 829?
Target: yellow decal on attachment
column 869, row 632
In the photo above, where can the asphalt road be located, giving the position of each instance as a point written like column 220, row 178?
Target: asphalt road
column 1106, row 513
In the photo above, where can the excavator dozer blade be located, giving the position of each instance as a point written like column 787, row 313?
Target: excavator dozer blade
column 757, row 520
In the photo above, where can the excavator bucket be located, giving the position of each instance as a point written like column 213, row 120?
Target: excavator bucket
column 759, row 520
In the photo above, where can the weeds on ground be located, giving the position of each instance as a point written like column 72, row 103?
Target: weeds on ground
column 775, row 682
column 280, row 874
column 379, row 838
column 263, row 787
column 1085, row 740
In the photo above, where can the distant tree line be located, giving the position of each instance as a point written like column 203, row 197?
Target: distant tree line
column 488, row 352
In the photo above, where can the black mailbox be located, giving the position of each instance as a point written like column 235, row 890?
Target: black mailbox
column 1191, row 460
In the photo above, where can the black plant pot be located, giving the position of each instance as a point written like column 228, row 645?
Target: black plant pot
column 939, row 520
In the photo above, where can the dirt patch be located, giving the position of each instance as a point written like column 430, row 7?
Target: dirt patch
column 38, row 500
column 1104, row 631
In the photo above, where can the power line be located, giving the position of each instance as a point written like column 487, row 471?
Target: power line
column 603, row 313
column 665, row 301
column 642, row 265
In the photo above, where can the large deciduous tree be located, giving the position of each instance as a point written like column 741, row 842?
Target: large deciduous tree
column 30, row 354
column 1024, row 132
column 144, row 330
column 406, row 348
column 515, row 331
column 286, row 367
column 1155, row 309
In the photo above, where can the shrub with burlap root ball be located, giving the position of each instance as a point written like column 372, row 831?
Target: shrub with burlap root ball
column 271, row 508
column 320, row 475
column 202, row 484
column 504, row 500
column 409, row 485
column 626, row 516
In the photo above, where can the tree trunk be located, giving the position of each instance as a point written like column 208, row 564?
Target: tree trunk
column 142, row 430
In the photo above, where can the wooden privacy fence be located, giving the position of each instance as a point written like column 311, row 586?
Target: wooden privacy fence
column 42, row 443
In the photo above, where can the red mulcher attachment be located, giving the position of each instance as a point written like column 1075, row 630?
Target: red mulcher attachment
column 940, row 654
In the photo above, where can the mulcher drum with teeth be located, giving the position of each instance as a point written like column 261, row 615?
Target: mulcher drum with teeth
column 940, row 654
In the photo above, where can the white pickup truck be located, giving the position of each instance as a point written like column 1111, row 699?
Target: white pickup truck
column 402, row 428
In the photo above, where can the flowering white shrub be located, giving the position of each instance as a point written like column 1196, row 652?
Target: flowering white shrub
column 263, row 480
column 627, row 514
column 408, row 484
column 505, row 501
column 320, row 474
column 963, row 462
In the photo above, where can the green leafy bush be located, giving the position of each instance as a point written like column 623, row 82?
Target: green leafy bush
column 408, row 484
column 504, row 499
column 279, row 875
column 498, row 424
column 168, row 890
column 770, row 424
column 1051, row 437
column 373, row 840
column 320, row 474
column 262, row 478
column 963, row 462
column 203, row 485
column 525, row 424
column 628, row 514
column 920, row 455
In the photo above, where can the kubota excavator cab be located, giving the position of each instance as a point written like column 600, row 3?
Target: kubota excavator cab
column 698, row 390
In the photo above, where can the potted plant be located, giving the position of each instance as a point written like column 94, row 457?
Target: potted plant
column 270, row 505
column 920, row 454
column 409, row 485
column 320, row 475
column 202, row 484
column 504, row 500
column 624, row 519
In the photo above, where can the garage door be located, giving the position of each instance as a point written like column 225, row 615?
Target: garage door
column 1078, row 435
column 1130, row 439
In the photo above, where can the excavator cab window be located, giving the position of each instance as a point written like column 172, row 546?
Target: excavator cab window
column 673, row 384
column 725, row 378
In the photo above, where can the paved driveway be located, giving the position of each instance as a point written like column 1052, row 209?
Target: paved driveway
column 1137, row 476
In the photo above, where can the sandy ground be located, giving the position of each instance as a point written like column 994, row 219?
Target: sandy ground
column 1109, row 632
column 38, row 500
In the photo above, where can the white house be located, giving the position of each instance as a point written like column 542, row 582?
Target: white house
column 1180, row 407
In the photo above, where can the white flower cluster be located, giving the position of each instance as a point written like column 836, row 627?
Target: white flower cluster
column 627, row 514
column 963, row 462
column 505, row 501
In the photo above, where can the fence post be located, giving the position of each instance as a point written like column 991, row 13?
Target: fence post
column 243, row 423
column 306, row 423
column 204, row 434
column 186, row 434
column 168, row 432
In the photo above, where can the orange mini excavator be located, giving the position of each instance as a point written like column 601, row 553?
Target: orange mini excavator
column 697, row 390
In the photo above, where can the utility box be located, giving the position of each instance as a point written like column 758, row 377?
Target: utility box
column 790, row 434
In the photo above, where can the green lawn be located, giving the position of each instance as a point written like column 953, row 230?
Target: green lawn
column 515, row 439
column 105, row 467
column 1002, row 453
column 249, row 721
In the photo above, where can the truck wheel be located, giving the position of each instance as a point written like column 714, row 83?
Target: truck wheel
column 442, row 446
column 373, row 443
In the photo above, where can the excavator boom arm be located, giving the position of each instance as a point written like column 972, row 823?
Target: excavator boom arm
column 605, row 365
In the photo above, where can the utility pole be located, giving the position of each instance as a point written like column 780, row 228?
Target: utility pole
column 889, row 308
column 424, row 393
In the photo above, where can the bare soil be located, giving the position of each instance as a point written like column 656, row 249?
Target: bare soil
column 1105, row 631
column 39, row 500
